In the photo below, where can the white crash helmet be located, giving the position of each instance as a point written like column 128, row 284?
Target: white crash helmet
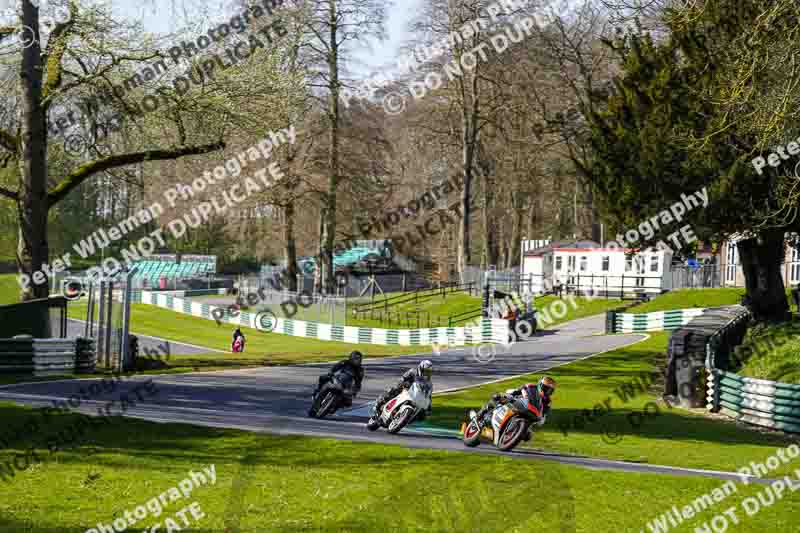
column 425, row 369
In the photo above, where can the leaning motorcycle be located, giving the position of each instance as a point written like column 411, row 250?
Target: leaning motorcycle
column 403, row 408
column 506, row 426
column 334, row 394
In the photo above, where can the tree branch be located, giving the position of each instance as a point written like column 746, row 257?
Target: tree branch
column 80, row 174
column 56, row 47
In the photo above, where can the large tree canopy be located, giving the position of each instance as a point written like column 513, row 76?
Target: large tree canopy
column 664, row 130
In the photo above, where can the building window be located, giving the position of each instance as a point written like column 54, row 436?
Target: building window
column 558, row 263
column 571, row 263
column 606, row 263
column 794, row 269
column 653, row 263
column 628, row 264
column 584, row 263
column 732, row 259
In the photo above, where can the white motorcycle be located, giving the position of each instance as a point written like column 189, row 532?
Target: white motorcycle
column 403, row 408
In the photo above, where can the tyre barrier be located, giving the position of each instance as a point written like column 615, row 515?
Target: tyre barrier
column 617, row 322
column 759, row 402
column 47, row 357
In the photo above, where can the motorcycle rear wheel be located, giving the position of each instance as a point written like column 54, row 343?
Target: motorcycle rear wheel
column 472, row 434
column 512, row 434
column 400, row 420
column 327, row 405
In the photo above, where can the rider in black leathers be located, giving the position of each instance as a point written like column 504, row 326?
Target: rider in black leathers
column 353, row 364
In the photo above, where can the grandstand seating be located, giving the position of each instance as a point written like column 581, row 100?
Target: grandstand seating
column 151, row 272
column 344, row 259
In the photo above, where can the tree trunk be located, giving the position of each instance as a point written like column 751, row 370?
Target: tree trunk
column 329, row 213
column 490, row 229
column 464, row 257
column 761, row 259
column 515, row 247
column 32, row 249
column 290, row 252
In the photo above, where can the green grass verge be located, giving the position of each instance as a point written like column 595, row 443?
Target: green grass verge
column 453, row 303
column 690, row 298
column 575, row 308
column 697, row 298
column 672, row 437
column 261, row 349
column 292, row 484
column 9, row 289
column 775, row 350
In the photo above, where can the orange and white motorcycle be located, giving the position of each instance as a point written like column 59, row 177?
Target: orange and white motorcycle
column 507, row 425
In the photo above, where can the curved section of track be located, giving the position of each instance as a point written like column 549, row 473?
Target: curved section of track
column 275, row 399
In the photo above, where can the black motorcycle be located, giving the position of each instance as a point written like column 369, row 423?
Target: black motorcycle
column 338, row 392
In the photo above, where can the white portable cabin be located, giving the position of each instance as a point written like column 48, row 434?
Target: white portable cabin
column 585, row 265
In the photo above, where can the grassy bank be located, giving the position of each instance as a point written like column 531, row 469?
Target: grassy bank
column 9, row 289
column 775, row 352
column 290, row 484
column 404, row 315
column 663, row 435
column 262, row 347
column 551, row 308
column 690, row 298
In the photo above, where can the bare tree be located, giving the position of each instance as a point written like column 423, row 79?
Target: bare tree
column 331, row 29
column 46, row 73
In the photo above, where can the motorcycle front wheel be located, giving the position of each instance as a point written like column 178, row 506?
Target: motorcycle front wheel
column 327, row 405
column 472, row 433
column 512, row 434
column 400, row 420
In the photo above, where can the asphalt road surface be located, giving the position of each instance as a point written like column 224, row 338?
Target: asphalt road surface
column 276, row 399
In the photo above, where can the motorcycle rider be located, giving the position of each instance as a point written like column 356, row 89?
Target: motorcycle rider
column 237, row 334
column 353, row 364
column 541, row 393
column 422, row 372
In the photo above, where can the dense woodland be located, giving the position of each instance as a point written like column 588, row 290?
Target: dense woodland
column 605, row 113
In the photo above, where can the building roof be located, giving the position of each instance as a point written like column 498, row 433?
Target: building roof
column 574, row 246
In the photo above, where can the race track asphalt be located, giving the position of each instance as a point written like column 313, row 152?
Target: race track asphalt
column 276, row 399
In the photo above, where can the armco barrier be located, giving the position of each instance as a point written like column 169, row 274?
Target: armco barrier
column 46, row 357
column 657, row 321
column 759, row 402
column 493, row 330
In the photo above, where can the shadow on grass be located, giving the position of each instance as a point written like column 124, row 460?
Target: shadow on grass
column 663, row 424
